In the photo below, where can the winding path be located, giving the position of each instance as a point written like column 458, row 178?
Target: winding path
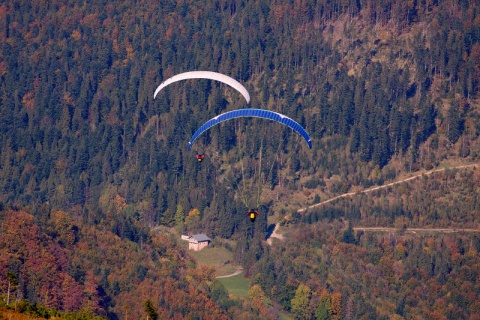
column 238, row 271
column 385, row 185
column 415, row 230
column 275, row 234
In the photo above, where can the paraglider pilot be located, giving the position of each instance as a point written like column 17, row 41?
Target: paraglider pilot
column 252, row 214
column 200, row 157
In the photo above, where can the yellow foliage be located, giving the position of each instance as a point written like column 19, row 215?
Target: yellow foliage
column 110, row 201
column 400, row 250
column 256, row 293
column 336, row 250
column 63, row 226
column 28, row 100
column 3, row 68
column 60, row 218
column 194, row 212
column 129, row 50
column 76, row 35
column 119, row 203
column 472, row 252
column 67, row 97
column 336, row 304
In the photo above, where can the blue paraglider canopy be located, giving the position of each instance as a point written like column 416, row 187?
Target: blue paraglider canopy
column 257, row 113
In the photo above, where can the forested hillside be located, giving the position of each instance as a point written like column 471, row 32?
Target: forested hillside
column 324, row 271
column 384, row 88
column 69, row 266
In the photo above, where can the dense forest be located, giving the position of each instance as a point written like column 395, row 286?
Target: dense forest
column 337, row 274
column 91, row 164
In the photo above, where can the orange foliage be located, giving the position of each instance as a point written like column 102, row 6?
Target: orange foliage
column 3, row 68
column 28, row 100
column 112, row 117
column 336, row 304
column 280, row 12
column 91, row 20
column 169, row 33
column 68, row 98
column 14, row 315
column 3, row 11
column 129, row 50
column 193, row 212
column 76, row 35
column 400, row 250
column 119, row 203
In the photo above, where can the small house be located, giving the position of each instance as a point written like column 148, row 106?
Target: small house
column 198, row 241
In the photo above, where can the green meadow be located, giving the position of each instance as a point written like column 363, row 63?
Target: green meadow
column 236, row 286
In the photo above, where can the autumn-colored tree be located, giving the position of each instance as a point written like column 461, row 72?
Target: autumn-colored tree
column 257, row 296
column 64, row 227
column 300, row 303
column 72, row 294
column 403, row 96
column 336, row 304
column 192, row 219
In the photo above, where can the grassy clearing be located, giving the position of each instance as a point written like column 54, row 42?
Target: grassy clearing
column 236, row 286
column 286, row 316
column 13, row 315
column 217, row 257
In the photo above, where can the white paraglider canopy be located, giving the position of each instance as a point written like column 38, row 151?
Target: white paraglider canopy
column 205, row 75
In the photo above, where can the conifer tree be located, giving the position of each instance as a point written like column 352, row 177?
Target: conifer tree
column 150, row 310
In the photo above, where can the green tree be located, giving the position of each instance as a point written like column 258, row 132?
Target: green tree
column 348, row 235
column 179, row 218
column 454, row 123
column 150, row 310
column 324, row 308
column 12, row 283
column 300, row 302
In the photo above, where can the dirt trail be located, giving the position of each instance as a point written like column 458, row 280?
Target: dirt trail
column 385, row 185
column 415, row 230
column 275, row 234
column 238, row 271
column 385, row 229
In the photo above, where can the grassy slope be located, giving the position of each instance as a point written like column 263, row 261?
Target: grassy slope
column 220, row 258
column 216, row 257
column 13, row 315
column 237, row 286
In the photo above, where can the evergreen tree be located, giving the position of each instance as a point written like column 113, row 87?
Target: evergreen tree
column 150, row 310
column 454, row 123
column 349, row 235
column 179, row 218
